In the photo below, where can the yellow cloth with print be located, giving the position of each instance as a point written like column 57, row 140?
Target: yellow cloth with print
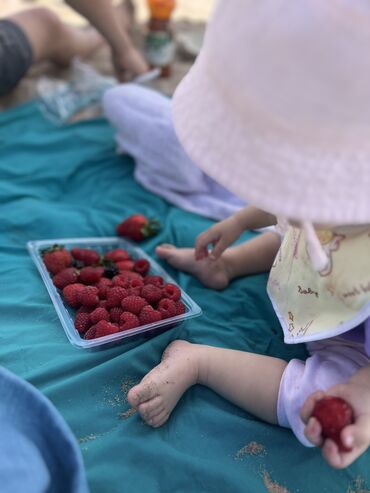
column 315, row 305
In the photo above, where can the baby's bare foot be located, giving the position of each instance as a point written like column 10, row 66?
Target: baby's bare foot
column 160, row 390
column 211, row 273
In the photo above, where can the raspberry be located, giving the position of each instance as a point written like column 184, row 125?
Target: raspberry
column 133, row 304
column 89, row 296
column 56, row 259
column 104, row 328
column 167, row 308
column 333, row 413
column 117, row 255
column 125, row 265
column 115, row 313
column 128, row 320
column 82, row 322
column 103, row 287
column 151, row 293
column 134, row 286
column 86, row 255
column 115, row 296
column 141, row 266
column 148, row 315
column 91, row 275
column 65, row 277
column 156, row 280
column 84, row 309
column 90, row 334
column 99, row 314
column 171, row 291
column 103, row 304
column 180, row 307
column 71, row 294
column 120, row 280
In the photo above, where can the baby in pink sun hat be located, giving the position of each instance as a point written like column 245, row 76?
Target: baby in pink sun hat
column 284, row 126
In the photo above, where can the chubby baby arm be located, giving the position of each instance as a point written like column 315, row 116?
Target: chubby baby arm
column 224, row 233
column 355, row 436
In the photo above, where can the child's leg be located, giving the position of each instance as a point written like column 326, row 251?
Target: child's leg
column 251, row 257
column 248, row 380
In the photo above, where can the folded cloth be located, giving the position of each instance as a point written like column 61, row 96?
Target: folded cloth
column 142, row 118
column 38, row 453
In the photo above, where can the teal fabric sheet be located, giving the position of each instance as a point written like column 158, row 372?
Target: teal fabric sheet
column 68, row 182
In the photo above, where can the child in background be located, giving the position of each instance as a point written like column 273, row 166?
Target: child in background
column 285, row 127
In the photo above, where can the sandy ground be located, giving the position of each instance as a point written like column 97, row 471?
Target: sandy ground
column 189, row 17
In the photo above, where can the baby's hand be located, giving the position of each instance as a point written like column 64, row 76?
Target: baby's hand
column 128, row 63
column 355, row 437
column 220, row 235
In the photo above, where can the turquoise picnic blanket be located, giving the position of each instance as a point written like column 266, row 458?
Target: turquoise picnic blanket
column 68, row 182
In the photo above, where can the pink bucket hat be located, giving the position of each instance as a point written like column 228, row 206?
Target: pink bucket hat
column 277, row 106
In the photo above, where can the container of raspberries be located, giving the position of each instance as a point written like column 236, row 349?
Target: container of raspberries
column 108, row 290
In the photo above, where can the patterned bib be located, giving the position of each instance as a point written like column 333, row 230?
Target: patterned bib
column 315, row 305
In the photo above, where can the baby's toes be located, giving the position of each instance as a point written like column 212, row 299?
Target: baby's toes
column 149, row 409
column 142, row 392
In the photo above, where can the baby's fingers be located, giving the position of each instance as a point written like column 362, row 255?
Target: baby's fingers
column 313, row 432
column 202, row 242
column 309, row 404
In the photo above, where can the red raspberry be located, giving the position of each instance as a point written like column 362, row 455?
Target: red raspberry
column 180, row 307
column 71, row 294
column 171, row 291
column 115, row 296
column 89, row 296
column 141, row 266
column 104, row 328
column 103, row 304
column 84, row 309
column 148, row 315
column 167, row 308
column 134, row 286
column 56, row 259
column 65, row 277
column 99, row 314
column 156, row 280
column 125, row 265
column 90, row 334
column 128, row 320
column 103, row 287
column 120, row 280
column 133, row 304
column 117, row 255
column 82, row 322
column 333, row 413
column 115, row 313
column 151, row 293
column 86, row 255
column 131, row 275
column 91, row 275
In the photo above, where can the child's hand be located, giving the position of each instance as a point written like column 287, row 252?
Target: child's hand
column 220, row 235
column 355, row 436
column 129, row 63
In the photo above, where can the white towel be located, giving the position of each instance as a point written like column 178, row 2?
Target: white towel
column 142, row 118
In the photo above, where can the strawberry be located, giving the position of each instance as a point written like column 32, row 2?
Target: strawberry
column 138, row 227
column 71, row 294
column 171, row 291
column 151, row 293
column 128, row 320
column 86, row 255
column 117, row 255
column 89, row 296
column 148, row 315
column 333, row 413
column 56, row 259
column 104, row 328
column 167, row 308
column 141, row 266
column 99, row 314
column 82, row 322
column 91, row 275
column 133, row 304
column 156, row 280
column 65, row 277
column 125, row 265
column 115, row 313
column 115, row 296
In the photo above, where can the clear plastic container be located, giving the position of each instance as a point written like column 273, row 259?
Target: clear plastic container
column 67, row 314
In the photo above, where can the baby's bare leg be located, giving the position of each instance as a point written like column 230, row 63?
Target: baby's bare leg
column 249, row 380
column 251, row 257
